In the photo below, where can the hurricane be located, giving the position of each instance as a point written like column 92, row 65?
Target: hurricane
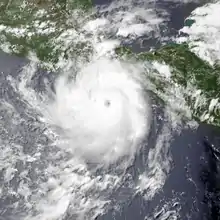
column 92, row 124
column 103, row 112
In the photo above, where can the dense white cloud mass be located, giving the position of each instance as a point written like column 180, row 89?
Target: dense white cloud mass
column 204, row 32
column 103, row 112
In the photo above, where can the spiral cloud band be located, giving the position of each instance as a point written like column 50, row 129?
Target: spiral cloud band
column 103, row 112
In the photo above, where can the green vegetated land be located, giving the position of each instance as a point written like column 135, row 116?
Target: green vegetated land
column 36, row 25
column 188, row 71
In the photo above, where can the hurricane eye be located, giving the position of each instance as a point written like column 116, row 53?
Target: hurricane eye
column 107, row 103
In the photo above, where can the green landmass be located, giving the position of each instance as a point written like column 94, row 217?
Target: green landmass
column 188, row 71
column 36, row 25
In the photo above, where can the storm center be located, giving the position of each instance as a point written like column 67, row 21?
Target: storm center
column 107, row 103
